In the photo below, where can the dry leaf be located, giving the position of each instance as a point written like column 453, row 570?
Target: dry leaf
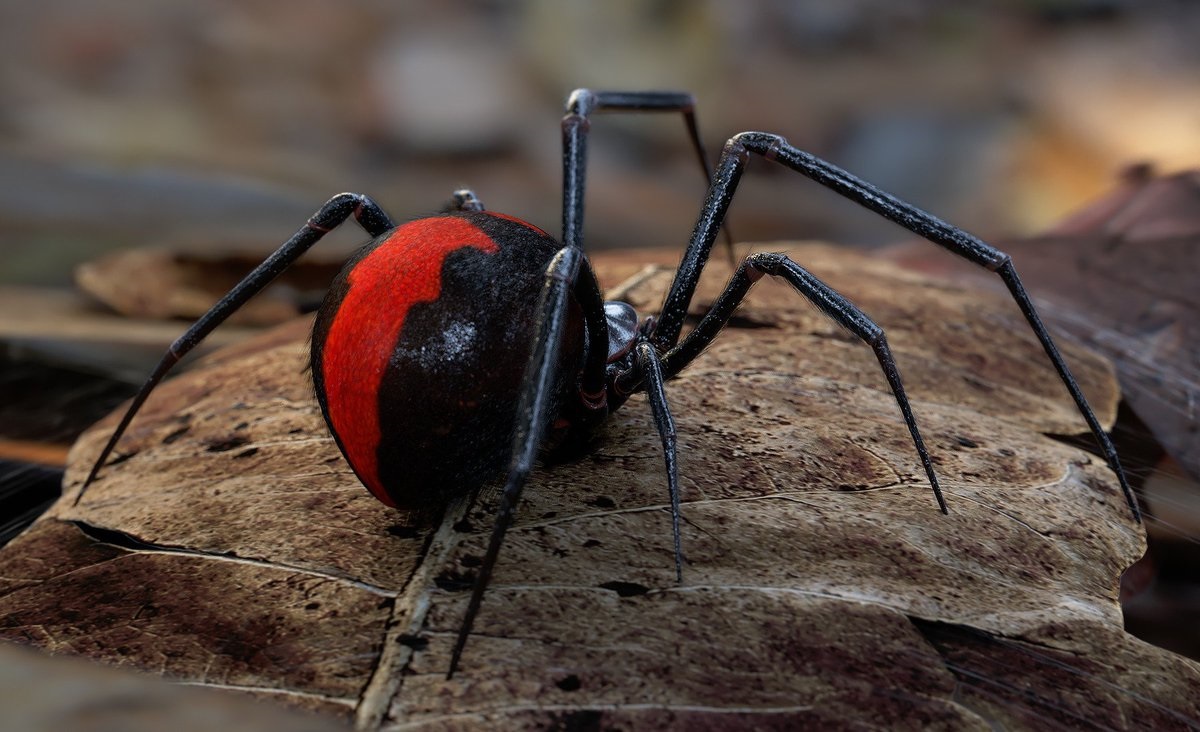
column 39, row 694
column 232, row 546
column 160, row 283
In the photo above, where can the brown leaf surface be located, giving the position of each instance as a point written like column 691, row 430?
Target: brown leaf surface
column 41, row 314
column 161, row 283
column 822, row 586
column 40, row 694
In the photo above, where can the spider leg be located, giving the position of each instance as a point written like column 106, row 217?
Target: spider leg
column 575, row 125
column 650, row 365
column 464, row 199
column 335, row 211
column 533, row 411
column 830, row 302
column 580, row 104
column 773, row 147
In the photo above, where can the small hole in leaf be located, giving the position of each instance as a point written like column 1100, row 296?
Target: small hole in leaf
column 626, row 589
column 570, row 683
column 415, row 642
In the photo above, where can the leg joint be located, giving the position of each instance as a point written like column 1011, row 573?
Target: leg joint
column 735, row 150
column 875, row 337
column 762, row 143
column 760, row 263
column 580, row 103
column 573, row 121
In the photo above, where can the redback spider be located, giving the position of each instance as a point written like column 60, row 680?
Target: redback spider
column 452, row 344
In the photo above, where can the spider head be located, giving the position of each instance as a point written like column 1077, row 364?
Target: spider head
column 623, row 329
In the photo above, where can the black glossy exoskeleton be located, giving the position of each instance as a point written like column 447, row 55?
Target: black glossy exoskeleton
column 455, row 345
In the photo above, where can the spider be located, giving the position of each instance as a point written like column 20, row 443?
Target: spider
column 453, row 345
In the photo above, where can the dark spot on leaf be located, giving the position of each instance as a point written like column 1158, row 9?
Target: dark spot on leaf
column 175, row 435
column 226, row 444
column 415, row 642
column 570, row 683
column 626, row 589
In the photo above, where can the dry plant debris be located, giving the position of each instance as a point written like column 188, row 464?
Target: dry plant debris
column 231, row 545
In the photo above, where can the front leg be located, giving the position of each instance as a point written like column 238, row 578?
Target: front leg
column 575, row 125
column 773, row 147
column 335, row 211
column 533, row 412
column 832, row 303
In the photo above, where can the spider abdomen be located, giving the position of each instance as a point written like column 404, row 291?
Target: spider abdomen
column 419, row 350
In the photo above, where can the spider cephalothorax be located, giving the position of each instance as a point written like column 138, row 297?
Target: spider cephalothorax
column 453, row 348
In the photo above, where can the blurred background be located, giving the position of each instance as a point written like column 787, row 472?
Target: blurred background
column 216, row 128
column 222, row 125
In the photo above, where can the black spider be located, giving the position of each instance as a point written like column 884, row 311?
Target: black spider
column 455, row 343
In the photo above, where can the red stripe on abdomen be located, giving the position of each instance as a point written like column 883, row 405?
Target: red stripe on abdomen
column 404, row 270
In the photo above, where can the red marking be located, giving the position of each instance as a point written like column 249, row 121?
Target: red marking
column 515, row 220
column 404, row 270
